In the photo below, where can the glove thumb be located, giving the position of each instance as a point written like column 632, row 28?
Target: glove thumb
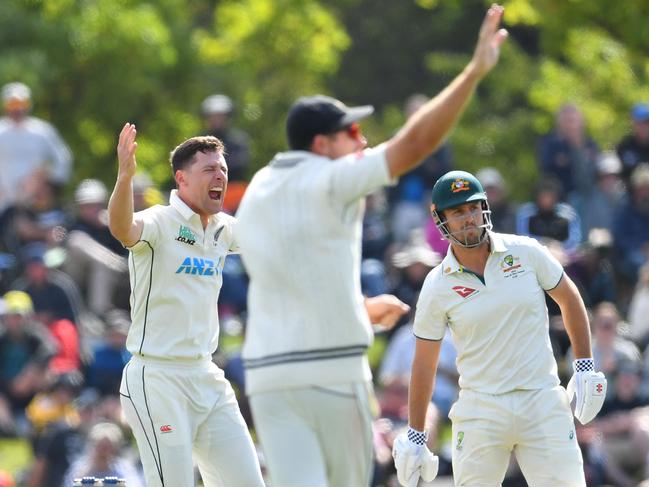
column 429, row 467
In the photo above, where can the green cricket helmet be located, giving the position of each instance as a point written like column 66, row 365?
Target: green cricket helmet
column 453, row 189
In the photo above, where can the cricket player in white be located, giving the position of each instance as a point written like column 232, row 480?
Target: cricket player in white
column 299, row 230
column 490, row 291
column 176, row 400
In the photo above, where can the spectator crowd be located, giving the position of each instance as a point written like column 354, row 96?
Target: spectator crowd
column 64, row 312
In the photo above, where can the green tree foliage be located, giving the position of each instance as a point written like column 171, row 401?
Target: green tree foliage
column 95, row 64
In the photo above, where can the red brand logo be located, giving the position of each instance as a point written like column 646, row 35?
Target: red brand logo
column 166, row 428
column 599, row 388
column 465, row 292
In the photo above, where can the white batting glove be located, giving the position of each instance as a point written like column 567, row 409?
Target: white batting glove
column 590, row 388
column 413, row 459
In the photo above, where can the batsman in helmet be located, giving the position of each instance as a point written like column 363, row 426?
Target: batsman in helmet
column 490, row 292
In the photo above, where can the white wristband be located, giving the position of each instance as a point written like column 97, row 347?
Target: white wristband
column 417, row 437
column 583, row 365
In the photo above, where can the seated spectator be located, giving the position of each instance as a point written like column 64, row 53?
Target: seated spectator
column 638, row 315
column 62, row 442
column 633, row 149
column 104, row 456
column 96, row 260
column 25, row 352
column 397, row 362
column 547, row 218
column 217, row 111
column 610, row 348
column 28, row 146
column 410, row 210
column 109, row 356
column 54, row 294
column 624, row 422
column 376, row 231
column 598, row 205
column 55, row 403
column 631, row 227
column 412, row 263
column 592, row 269
column 37, row 218
column 568, row 154
column 503, row 212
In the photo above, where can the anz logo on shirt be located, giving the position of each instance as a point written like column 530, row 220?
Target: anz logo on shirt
column 200, row 267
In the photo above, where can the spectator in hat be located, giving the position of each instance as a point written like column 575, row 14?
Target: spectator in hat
column 29, row 147
column 592, row 269
column 217, row 113
column 503, row 212
column 568, row 153
column 547, row 218
column 96, row 260
column 631, row 225
column 598, row 205
column 633, row 149
column 104, row 456
column 25, row 352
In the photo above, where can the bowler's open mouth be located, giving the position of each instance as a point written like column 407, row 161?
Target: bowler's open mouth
column 216, row 193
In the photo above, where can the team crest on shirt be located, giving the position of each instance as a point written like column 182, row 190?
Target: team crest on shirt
column 511, row 266
column 460, row 439
column 460, row 185
column 185, row 235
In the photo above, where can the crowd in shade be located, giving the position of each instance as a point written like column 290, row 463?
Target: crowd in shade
column 65, row 292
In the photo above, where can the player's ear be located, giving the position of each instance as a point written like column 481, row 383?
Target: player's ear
column 179, row 176
column 320, row 145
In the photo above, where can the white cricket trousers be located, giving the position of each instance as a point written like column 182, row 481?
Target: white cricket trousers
column 318, row 436
column 536, row 425
column 179, row 408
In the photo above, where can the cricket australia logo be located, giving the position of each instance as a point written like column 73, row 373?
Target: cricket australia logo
column 459, row 185
column 185, row 235
column 511, row 266
column 464, row 291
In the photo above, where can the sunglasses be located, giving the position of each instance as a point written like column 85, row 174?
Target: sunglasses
column 354, row 131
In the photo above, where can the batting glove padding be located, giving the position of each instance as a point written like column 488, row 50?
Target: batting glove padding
column 413, row 459
column 589, row 387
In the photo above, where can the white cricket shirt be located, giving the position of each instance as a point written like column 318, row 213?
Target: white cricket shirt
column 500, row 326
column 299, row 229
column 175, row 272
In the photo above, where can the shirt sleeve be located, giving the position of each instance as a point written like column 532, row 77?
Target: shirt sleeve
column 548, row 269
column 150, row 228
column 359, row 174
column 430, row 317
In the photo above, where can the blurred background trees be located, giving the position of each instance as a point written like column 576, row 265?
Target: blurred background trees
column 94, row 64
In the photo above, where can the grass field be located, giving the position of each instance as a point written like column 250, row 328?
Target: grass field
column 15, row 455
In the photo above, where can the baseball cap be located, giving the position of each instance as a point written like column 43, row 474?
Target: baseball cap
column 16, row 91
column 640, row 112
column 17, row 303
column 90, row 191
column 320, row 114
column 217, row 104
column 609, row 163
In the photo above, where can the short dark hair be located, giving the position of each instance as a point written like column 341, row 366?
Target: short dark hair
column 183, row 155
column 319, row 114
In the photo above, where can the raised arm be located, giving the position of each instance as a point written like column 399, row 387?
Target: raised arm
column 120, row 206
column 428, row 127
